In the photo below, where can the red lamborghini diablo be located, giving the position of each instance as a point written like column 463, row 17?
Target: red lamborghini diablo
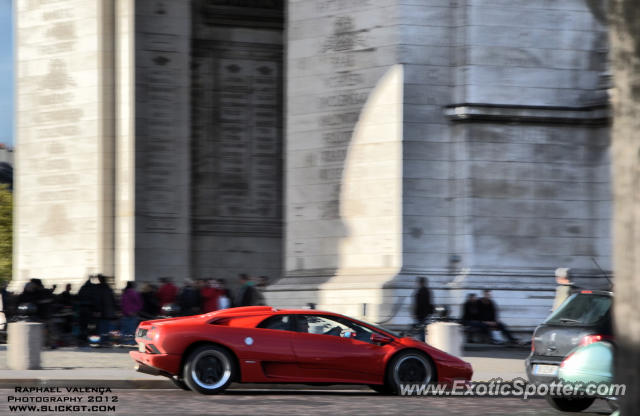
column 260, row 344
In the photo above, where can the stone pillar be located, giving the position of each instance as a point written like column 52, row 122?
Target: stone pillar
column 24, row 342
column 367, row 164
column 124, row 220
column 161, row 160
column 64, row 141
column 153, row 159
column 531, row 160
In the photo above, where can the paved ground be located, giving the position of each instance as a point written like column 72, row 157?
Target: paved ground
column 114, row 365
column 137, row 394
column 245, row 402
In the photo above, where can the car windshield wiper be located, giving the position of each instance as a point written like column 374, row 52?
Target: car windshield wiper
column 569, row 321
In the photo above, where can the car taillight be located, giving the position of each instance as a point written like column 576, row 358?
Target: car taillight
column 533, row 343
column 590, row 339
column 566, row 359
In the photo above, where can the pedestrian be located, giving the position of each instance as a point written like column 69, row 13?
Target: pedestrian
column 4, row 306
column 263, row 282
column 189, row 299
column 247, row 295
column 422, row 306
column 43, row 300
column 224, row 301
column 8, row 300
column 210, row 294
column 489, row 316
column 471, row 318
column 65, row 299
column 563, row 288
column 168, row 292
column 131, row 305
column 150, row 306
column 28, row 294
column 226, row 293
column 107, row 309
column 65, row 303
column 86, row 306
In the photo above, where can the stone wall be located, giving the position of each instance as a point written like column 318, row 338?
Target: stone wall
column 531, row 129
column 465, row 141
column 343, row 153
column 502, row 173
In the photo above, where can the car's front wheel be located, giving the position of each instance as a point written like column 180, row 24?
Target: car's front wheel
column 570, row 404
column 382, row 389
column 409, row 368
column 208, row 370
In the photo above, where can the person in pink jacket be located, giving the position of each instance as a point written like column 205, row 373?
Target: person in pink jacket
column 131, row 304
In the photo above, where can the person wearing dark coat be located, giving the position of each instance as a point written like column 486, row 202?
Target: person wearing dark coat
column 44, row 300
column 65, row 299
column 64, row 303
column 86, row 305
column 470, row 309
column 248, row 295
column 36, row 294
column 489, row 316
column 471, row 317
column 150, row 305
column 422, row 306
column 189, row 299
column 106, row 308
column 4, row 297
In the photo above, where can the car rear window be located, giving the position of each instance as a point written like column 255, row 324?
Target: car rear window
column 582, row 309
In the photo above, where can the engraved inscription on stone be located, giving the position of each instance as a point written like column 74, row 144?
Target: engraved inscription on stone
column 55, row 117
column 339, row 107
column 58, row 137
column 345, row 37
column 158, row 140
column 237, row 135
column 248, row 141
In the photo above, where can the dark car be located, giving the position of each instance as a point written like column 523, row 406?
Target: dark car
column 584, row 318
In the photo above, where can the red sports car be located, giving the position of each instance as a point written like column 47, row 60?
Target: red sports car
column 261, row 344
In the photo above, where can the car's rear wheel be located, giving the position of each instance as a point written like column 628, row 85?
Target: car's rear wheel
column 209, row 370
column 570, row 404
column 409, row 368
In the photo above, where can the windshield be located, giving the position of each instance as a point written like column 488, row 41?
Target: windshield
column 380, row 328
column 581, row 309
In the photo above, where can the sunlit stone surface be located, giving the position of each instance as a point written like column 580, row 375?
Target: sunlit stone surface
column 346, row 150
column 491, row 171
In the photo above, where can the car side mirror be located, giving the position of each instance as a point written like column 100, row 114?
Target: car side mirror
column 380, row 339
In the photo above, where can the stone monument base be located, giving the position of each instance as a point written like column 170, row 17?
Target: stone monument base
column 385, row 297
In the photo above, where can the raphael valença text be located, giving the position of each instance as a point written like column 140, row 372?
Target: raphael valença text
column 99, row 390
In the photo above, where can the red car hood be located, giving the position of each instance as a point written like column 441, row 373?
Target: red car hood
column 441, row 355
